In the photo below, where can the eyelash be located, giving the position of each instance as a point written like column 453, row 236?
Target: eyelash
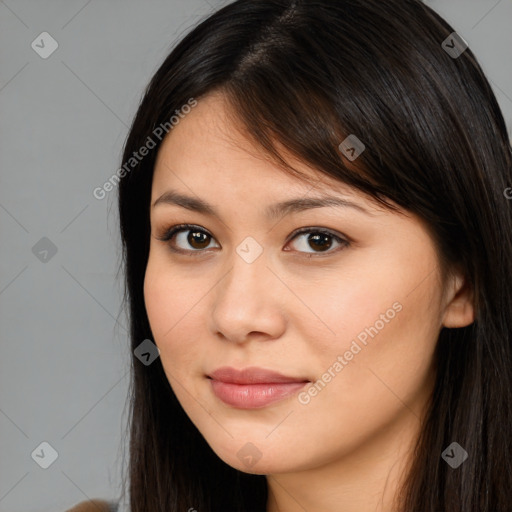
column 170, row 233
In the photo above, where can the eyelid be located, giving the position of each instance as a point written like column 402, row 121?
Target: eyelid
column 343, row 240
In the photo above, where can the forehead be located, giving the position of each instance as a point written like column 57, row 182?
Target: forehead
column 208, row 149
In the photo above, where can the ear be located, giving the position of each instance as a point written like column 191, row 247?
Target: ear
column 459, row 310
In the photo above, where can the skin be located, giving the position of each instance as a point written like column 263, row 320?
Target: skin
column 294, row 311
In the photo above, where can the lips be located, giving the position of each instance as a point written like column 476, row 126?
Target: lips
column 253, row 387
column 252, row 375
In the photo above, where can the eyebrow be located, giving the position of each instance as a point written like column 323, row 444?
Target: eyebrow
column 273, row 211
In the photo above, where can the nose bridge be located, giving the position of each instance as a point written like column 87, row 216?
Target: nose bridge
column 244, row 301
column 247, row 274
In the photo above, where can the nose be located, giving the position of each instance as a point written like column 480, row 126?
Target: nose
column 249, row 302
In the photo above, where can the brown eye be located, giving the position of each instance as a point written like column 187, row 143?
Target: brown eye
column 320, row 241
column 191, row 239
column 187, row 238
column 198, row 239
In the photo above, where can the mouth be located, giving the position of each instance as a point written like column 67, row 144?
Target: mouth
column 253, row 388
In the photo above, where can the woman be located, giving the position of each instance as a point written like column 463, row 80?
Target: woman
column 317, row 241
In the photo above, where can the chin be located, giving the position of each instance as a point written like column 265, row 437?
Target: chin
column 258, row 458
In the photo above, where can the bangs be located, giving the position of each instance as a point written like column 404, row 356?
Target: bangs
column 293, row 106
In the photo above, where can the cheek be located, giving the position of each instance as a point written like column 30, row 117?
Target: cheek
column 386, row 337
column 160, row 301
column 342, row 309
column 166, row 302
column 171, row 305
column 384, row 322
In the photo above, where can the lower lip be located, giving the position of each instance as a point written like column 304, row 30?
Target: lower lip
column 253, row 396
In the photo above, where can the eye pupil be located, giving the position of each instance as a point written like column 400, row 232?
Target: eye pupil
column 322, row 240
column 198, row 237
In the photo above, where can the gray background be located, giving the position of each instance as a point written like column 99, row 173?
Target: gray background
column 64, row 354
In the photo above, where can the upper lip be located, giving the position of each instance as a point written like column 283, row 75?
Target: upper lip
column 251, row 375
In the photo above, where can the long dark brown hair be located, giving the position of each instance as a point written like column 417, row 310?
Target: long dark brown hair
column 304, row 75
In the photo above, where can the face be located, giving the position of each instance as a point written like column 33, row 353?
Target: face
column 344, row 300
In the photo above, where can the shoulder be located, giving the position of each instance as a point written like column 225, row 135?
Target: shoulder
column 94, row 506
